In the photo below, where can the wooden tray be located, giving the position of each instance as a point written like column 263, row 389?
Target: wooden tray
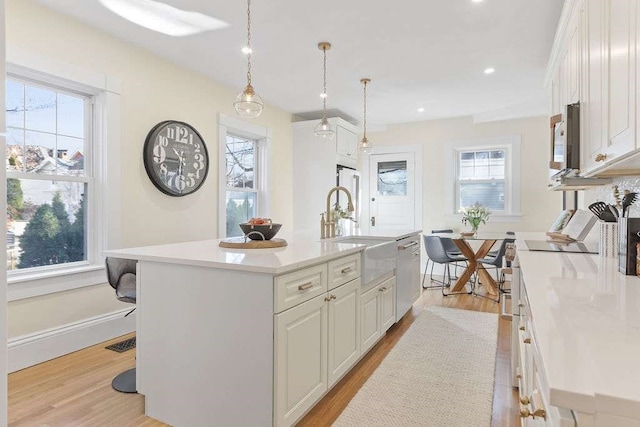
column 246, row 243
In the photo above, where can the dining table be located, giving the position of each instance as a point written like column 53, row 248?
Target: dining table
column 486, row 241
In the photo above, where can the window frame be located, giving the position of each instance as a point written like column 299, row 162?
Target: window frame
column 507, row 182
column 103, row 204
column 512, row 147
column 262, row 136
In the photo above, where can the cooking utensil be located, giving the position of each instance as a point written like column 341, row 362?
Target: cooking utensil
column 598, row 208
column 628, row 200
column 614, row 211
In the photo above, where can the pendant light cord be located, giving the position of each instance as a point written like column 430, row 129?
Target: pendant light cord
column 324, row 83
column 364, row 127
column 249, row 42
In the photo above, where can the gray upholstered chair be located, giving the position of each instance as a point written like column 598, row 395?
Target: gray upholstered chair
column 495, row 260
column 451, row 249
column 437, row 254
column 121, row 274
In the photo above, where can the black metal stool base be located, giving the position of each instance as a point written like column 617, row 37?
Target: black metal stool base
column 125, row 382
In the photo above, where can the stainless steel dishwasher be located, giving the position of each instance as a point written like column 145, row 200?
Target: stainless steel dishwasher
column 407, row 274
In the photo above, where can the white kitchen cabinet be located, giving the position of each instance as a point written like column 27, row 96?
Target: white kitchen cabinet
column 300, row 359
column 343, row 330
column 620, row 42
column 314, row 168
column 346, row 146
column 378, row 312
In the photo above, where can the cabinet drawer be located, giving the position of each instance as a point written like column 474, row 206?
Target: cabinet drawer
column 344, row 270
column 297, row 287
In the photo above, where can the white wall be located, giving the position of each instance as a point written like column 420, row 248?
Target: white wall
column 539, row 206
column 153, row 90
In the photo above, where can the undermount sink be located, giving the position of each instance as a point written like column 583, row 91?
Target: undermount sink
column 378, row 258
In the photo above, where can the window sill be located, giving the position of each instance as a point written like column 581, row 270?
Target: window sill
column 48, row 282
column 514, row 217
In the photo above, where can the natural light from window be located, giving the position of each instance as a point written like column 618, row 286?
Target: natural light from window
column 242, row 182
column 481, row 178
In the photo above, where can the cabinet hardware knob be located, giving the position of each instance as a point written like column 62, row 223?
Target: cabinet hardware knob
column 333, row 297
column 520, row 305
column 521, row 328
column 524, row 400
column 382, row 289
column 600, row 157
column 527, row 341
column 524, row 413
column 345, row 270
column 305, row 286
column 327, row 298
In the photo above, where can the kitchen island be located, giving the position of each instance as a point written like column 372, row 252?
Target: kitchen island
column 576, row 338
column 247, row 337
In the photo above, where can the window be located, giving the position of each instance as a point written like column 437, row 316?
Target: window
column 48, row 176
column 392, row 178
column 485, row 171
column 63, row 208
column 242, row 172
column 243, row 186
column 481, row 178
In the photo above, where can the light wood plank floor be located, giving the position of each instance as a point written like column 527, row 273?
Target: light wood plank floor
column 75, row 390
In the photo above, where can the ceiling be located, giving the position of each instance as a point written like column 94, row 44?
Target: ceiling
column 427, row 54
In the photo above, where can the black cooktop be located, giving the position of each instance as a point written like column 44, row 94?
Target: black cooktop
column 576, row 247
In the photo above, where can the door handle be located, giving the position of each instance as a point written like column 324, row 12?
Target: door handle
column 373, row 221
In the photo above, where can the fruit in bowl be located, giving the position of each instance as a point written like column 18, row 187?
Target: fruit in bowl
column 260, row 228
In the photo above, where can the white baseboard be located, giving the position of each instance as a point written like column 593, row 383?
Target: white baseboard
column 38, row 347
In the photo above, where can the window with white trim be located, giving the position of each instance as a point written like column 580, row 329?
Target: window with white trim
column 242, row 174
column 49, row 175
column 63, row 136
column 482, row 178
column 486, row 171
column 242, row 183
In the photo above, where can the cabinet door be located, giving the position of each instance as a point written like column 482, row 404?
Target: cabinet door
column 387, row 297
column 621, row 34
column 594, row 102
column 370, row 319
column 300, row 359
column 345, row 147
column 342, row 141
column 573, row 58
column 344, row 329
column 353, row 145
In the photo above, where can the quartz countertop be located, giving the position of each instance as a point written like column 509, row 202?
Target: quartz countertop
column 586, row 318
column 302, row 251
column 387, row 234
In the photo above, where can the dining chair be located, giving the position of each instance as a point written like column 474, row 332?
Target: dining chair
column 438, row 255
column 450, row 248
column 496, row 262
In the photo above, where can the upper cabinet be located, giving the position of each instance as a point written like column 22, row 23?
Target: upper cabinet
column 346, row 146
column 594, row 62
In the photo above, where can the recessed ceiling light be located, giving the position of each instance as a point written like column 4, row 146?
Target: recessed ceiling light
column 323, row 95
column 477, row 1
column 420, row 110
column 489, row 70
column 163, row 18
column 247, row 50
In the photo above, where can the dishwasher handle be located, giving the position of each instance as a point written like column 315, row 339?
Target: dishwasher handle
column 405, row 247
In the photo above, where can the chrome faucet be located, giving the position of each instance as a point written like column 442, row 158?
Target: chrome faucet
column 328, row 225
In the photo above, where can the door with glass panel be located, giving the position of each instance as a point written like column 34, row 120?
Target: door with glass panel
column 392, row 191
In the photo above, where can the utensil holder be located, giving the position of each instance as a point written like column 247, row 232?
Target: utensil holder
column 608, row 239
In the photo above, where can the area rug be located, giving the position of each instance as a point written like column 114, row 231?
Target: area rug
column 440, row 373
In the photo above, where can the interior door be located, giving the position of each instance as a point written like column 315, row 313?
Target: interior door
column 392, row 191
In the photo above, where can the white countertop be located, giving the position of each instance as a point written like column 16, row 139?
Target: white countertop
column 586, row 318
column 384, row 234
column 301, row 252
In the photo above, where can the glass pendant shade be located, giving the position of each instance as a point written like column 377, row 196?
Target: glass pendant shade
column 323, row 130
column 248, row 104
column 364, row 146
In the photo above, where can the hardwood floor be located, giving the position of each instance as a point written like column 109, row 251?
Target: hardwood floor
column 75, row 390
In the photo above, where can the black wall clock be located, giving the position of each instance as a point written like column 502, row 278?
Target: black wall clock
column 176, row 158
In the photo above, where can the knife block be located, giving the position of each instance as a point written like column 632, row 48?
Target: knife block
column 628, row 237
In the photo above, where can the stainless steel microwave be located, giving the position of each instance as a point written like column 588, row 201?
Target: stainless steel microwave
column 565, row 139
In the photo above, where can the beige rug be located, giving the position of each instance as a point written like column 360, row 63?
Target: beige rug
column 440, row 373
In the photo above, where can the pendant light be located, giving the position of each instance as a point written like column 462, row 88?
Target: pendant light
column 323, row 129
column 248, row 104
column 364, row 146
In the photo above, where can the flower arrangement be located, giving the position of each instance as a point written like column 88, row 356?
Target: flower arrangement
column 339, row 213
column 475, row 215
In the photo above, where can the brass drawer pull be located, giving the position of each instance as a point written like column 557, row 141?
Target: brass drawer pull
column 537, row 407
column 345, row 270
column 407, row 246
column 521, row 327
column 327, row 298
column 382, row 289
column 601, row 157
column 305, row 286
column 524, row 400
column 527, row 340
